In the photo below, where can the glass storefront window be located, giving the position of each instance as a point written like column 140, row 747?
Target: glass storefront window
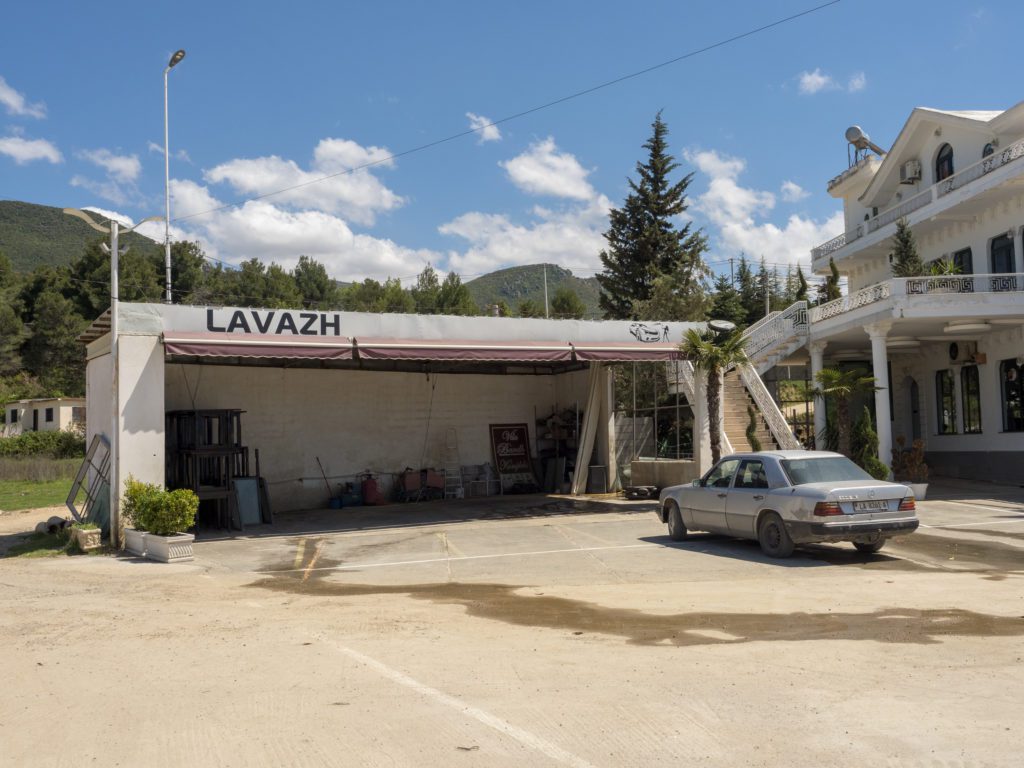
column 1011, row 377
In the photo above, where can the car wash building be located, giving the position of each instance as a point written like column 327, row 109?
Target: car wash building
column 488, row 404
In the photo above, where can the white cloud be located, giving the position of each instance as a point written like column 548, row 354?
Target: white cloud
column 120, row 168
column 816, row 81
column 483, row 126
column 812, row 82
column 273, row 233
column 543, row 170
column 16, row 104
column 793, row 192
column 737, row 216
column 180, row 154
column 24, row 151
column 571, row 238
column 357, row 195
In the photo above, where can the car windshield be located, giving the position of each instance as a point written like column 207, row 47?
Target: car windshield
column 824, row 470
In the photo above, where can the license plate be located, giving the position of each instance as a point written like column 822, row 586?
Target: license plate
column 869, row 506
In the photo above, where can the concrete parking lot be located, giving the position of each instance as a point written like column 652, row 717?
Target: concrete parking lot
column 524, row 631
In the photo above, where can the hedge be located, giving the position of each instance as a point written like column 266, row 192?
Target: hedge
column 56, row 445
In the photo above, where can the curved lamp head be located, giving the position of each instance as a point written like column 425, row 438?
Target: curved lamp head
column 176, row 58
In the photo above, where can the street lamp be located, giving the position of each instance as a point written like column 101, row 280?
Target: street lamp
column 114, row 230
column 175, row 60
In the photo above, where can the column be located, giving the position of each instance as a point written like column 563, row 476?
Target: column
column 1018, row 252
column 817, row 350
column 701, row 425
column 880, row 370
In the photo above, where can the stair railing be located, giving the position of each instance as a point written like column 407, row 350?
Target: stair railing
column 776, row 328
column 769, row 409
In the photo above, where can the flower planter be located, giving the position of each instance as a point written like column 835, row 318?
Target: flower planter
column 135, row 542
column 176, row 548
column 87, row 539
column 919, row 489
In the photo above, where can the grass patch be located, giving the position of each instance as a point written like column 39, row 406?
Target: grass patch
column 42, row 545
column 22, row 494
column 30, row 483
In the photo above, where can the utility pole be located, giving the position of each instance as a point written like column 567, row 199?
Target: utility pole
column 545, row 290
column 732, row 277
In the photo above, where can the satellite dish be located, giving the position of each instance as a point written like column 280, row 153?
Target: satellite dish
column 721, row 326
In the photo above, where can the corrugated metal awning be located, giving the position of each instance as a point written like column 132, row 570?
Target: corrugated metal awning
column 464, row 349
column 625, row 352
column 255, row 345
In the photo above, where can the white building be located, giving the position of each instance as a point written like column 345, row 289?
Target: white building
column 947, row 350
column 337, row 393
column 44, row 415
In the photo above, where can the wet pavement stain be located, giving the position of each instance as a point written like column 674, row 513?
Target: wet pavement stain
column 991, row 555
column 1017, row 535
column 506, row 603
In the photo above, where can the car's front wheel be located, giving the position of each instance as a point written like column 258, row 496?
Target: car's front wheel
column 773, row 537
column 676, row 527
column 869, row 547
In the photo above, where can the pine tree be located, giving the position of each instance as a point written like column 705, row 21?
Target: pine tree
column 643, row 241
column 829, row 290
column 567, row 304
column 425, row 293
column 749, row 291
column 726, row 303
column 906, row 262
column 800, row 294
column 454, row 298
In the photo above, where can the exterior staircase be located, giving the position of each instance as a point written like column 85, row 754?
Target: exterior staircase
column 776, row 336
column 735, row 400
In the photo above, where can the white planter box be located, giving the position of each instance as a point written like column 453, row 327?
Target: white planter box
column 135, row 542
column 919, row 489
column 88, row 539
column 176, row 548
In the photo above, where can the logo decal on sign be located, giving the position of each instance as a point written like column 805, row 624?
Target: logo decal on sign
column 648, row 332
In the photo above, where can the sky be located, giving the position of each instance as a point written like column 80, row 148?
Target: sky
column 295, row 96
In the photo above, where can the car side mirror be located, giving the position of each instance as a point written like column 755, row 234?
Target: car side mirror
column 698, row 483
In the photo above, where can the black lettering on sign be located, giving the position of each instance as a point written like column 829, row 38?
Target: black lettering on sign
column 334, row 323
column 238, row 321
column 310, row 318
column 209, row 323
column 263, row 325
column 287, row 322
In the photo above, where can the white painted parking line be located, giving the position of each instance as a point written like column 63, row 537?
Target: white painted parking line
column 971, row 525
column 1009, row 508
column 524, row 737
column 454, row 559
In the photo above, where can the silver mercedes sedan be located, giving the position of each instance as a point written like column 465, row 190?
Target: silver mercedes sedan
column 785, row 498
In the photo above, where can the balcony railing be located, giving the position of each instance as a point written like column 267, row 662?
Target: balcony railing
column 979, row 169
column 862, row 298
column 777, row 327
column 920, row 286
column 958, row 180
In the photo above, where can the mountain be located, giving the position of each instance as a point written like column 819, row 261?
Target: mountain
column 517, row 284
column 38, row 235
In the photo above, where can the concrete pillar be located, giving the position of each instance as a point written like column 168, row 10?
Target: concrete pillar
column 701, row 425
column 1018, row 252
column 817, row 350
column 606, row 429
column 880, row 370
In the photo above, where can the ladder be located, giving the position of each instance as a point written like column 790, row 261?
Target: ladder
column 452, row 467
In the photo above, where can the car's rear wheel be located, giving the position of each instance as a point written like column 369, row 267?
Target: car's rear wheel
column 676, row 527
column 773, row 537
column 869, row 547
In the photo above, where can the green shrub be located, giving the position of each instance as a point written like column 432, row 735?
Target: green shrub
column 57, row 445
column 150, row 508
column 755, row 443
column 864, row 446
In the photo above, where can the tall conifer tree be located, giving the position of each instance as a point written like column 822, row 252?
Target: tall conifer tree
column 643, row 240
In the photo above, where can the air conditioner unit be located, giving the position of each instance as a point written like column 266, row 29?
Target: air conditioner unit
column 910, row 172
column 963, row 352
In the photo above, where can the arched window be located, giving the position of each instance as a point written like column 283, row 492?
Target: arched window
column 944, row 163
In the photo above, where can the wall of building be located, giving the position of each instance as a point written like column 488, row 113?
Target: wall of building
column 358, row 420
column 991, row 454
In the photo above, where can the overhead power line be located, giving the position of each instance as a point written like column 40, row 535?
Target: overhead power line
column 524, row 113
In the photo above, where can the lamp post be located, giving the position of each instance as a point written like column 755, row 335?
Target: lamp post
column 114, row 230
column 175, row 60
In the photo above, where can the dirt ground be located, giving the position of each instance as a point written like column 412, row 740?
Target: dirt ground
column 533, row 631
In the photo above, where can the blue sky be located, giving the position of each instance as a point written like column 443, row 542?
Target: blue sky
column 271, row 95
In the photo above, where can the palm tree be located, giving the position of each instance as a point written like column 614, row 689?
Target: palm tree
column 841, row 386
column 714, row 354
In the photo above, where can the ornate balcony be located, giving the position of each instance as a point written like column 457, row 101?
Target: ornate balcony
column 927, row 196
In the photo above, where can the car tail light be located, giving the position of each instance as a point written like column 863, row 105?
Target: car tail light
column 907, row 505
column 824, row 508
